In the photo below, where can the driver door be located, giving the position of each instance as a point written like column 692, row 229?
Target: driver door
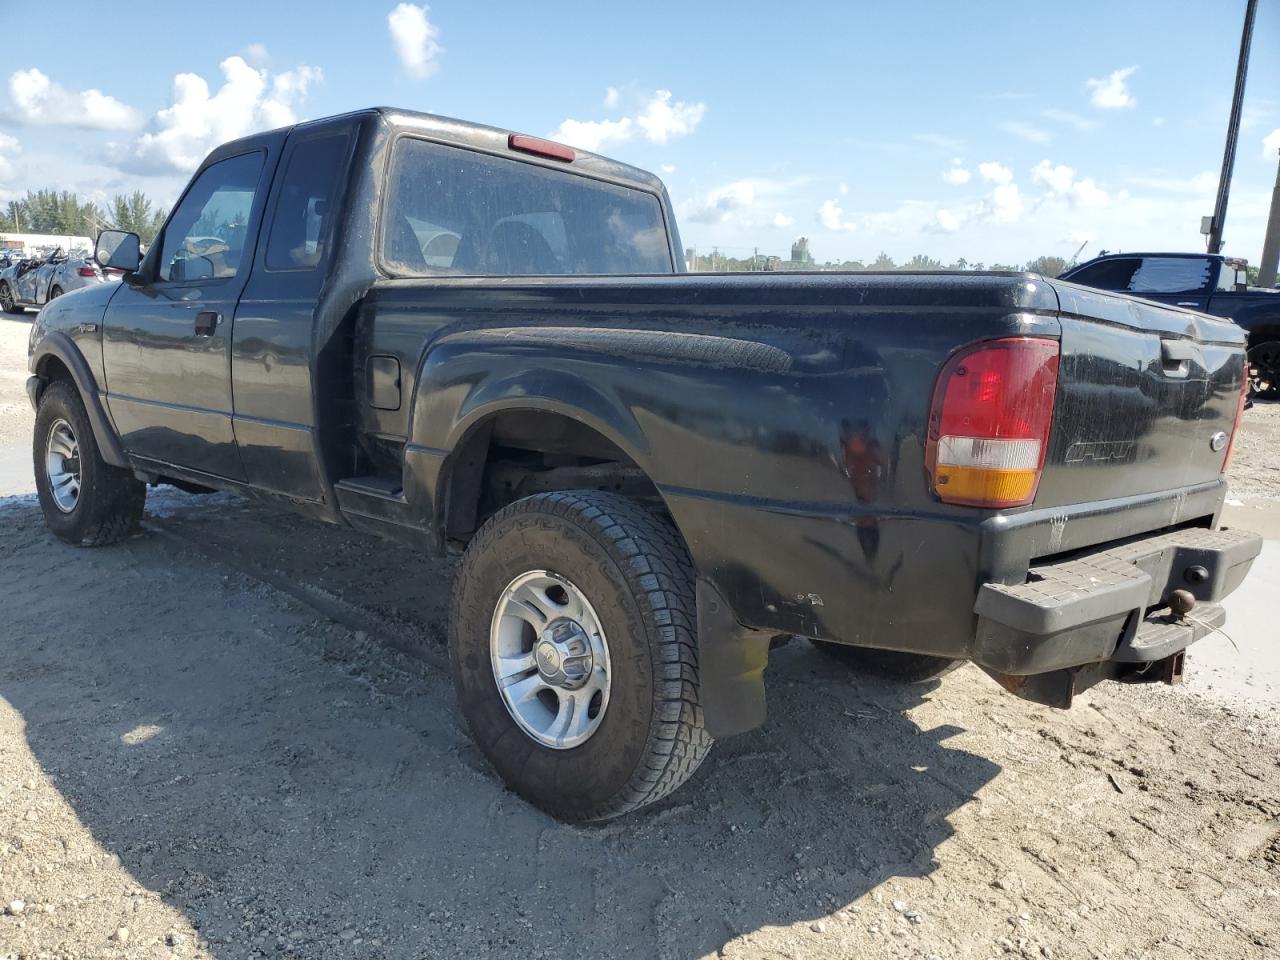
column 167, row 337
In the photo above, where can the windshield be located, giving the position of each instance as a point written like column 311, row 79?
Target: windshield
column 454, row 212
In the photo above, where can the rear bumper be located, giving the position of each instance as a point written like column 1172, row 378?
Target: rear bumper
column 1111, row 607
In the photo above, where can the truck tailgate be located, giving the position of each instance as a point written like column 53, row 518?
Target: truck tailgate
column 1147, row 398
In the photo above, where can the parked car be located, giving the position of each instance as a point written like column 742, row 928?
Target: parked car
column 651, row 476
column 1200, row 281
column 34, row 282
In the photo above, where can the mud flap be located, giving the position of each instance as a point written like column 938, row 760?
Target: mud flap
column 731, row 662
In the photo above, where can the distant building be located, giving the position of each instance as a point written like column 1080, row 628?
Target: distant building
column 800, row 251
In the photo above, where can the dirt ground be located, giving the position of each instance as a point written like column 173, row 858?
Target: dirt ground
column 234, row 737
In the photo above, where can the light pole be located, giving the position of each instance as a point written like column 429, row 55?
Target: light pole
column 1212, row 226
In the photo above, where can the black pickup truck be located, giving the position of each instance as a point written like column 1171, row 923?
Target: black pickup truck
column 1209, row 282
column 463, row 338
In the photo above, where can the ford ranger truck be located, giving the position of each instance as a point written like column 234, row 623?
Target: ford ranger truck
column 465, row 339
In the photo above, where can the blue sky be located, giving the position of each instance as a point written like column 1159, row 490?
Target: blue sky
column 957, row 130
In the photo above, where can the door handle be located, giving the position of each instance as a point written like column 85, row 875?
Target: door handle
column 1188, row 303
column 206, row 323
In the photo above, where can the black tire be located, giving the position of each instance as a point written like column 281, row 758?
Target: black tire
column 7, row 302
column 631, row 565
column 109, row 504
column 889, row 664
column 1264, row 370
column 54, row 293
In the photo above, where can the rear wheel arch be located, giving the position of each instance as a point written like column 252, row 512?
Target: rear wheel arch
column 532, row 449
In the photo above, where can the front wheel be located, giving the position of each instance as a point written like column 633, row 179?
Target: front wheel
column 1264, row 370
column 573, row 647
column 7, row 302
column 85, row 500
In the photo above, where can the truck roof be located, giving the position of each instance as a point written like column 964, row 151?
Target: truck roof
column 473, row 136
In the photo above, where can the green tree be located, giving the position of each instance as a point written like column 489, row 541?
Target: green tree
column 134, row 213
column 883, row 262
column 922, row 262
column 1048, row 266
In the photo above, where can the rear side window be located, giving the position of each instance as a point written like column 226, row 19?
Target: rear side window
column 1171, row 275
column 453, row 212
column 301, row 228
column 1107, row 275
column 1147, row 274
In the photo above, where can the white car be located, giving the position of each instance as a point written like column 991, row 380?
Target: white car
column 34, row 282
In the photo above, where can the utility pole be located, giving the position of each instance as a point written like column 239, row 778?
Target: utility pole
column 1217, row 221
column 1271, row 240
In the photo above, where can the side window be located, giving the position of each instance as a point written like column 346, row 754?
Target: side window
column 206, row 237
column 301, row 224
column 1107, row 275
column 1171, row 275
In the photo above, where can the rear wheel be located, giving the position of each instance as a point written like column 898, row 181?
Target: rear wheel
column 1264, row 370
column 85, row 500
column 7, row 303
column 889, row 664
column 572, row 642
column 54, row 293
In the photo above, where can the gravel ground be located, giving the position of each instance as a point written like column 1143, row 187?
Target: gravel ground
column 233, row 737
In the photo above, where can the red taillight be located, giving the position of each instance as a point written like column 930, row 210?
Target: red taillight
column 87, row 272
column 540, row 148
column 1235, row 426
column 990, row 421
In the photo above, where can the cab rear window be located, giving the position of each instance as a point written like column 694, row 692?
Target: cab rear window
column 454, row 212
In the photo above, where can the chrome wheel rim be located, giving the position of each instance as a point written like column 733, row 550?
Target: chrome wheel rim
column 62, row 466
column 550, row 659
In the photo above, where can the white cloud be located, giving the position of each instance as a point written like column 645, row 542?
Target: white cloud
column 668, row 168
column 1061, row 181
column 656, row 119
column 182, row 134
column 782, row 220
column 1069, row 119
column 415, row 38
column 947, row 221
column 611, row 98
column 1005, row 204
column 661, row 119
column 256, row 53
column 1271, row 144
column 1058, row 179
column 831, row 214
column 995, row 172
column 957, row 176
column 730, row 200
column 594, row 135
column 39, row 101
column 1024, row 131
column 1112, row 91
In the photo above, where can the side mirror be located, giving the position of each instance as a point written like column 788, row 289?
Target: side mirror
column 118, row 250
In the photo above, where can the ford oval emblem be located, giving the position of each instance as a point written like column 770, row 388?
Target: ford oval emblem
column 1217, row 442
